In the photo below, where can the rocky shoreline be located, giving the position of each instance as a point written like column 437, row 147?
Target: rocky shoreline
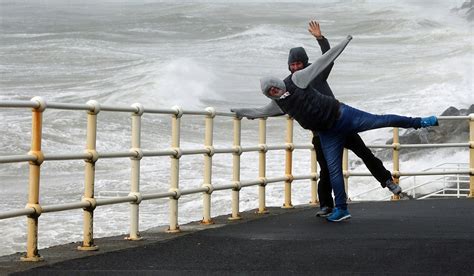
column 466, row 10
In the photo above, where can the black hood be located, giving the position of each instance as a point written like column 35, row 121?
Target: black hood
column 297, row 54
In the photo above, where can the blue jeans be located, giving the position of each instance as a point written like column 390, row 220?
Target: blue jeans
column 352, row 121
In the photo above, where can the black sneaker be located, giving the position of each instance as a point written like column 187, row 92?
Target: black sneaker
column 394, row 188
column 405, row 196
column 324, row 212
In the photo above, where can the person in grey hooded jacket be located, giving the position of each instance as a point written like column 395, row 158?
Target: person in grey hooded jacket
column 333, row 120
column 297, row 60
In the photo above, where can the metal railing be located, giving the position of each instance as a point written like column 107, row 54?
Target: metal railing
column 36, row 157
column 447, row 180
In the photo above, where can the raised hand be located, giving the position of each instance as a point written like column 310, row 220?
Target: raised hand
column 314, row 29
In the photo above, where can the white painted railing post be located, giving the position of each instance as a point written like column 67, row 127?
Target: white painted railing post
column 471, row 155
column 288, row 163
column 88, row 214
column 236, row 169
column 396, row 159
column 314, row 180
column 206, row 197
column 34, row 182
column 135, row 172
column 345, row 170
column 174, row 172
column 262, row 164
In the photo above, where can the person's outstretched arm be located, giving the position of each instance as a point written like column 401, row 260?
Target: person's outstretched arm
column 303, row 77
column 315, row 29
column 269, row 110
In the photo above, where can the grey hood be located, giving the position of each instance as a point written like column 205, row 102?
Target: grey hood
column 267, row 82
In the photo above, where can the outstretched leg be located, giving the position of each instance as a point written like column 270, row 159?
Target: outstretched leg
column 353, row 120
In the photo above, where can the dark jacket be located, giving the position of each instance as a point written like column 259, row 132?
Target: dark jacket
column 311, row 109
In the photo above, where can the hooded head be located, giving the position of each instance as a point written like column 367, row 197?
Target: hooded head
column 297, row 54
column 268, row 82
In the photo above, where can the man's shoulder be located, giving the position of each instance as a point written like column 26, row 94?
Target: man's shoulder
column 287, row 80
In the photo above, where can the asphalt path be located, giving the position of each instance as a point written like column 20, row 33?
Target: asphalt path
column 415, row 237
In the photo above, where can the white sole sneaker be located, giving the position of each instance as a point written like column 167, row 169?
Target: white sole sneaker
column 340, row 219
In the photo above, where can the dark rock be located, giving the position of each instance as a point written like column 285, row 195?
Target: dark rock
column 466, row 10
column 448, row 131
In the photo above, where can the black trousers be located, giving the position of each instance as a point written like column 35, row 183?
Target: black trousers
column 357, row 146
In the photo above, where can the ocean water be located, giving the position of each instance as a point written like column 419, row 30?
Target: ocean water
column 408, row 57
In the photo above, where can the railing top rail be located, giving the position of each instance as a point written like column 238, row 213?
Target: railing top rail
column 28, row 104
column 133, row 108
column 114, row 108
column 461, row 117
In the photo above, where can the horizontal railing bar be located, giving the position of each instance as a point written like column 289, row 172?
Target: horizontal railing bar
column 276, row 147
column 194, row 191
column 17, row 158
column 456, row 189
column 65, row 206
column 55, row 105
column 224, row 187
column 67, row 156
column 225, row 114
column 85, row 155
column 446, row 145
column 158, row 195
column 194, row 151
column 302, row 177
column 406, row 174
column 68, row 106
column 305, row 146
column 130, row 109
column 440, row 194
column 250, row 149
column 17, row 213
column 435, row 172
column 251, row 183
column 116, row 154
column 85, row 107
column 168, row 152
column 450, row 172
column 277, row 179
column 224, row 150
column 160, row 111
column 453, row 117
column 114, row 200
column 28, row 104
column 444, row 195
column 196, row 112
